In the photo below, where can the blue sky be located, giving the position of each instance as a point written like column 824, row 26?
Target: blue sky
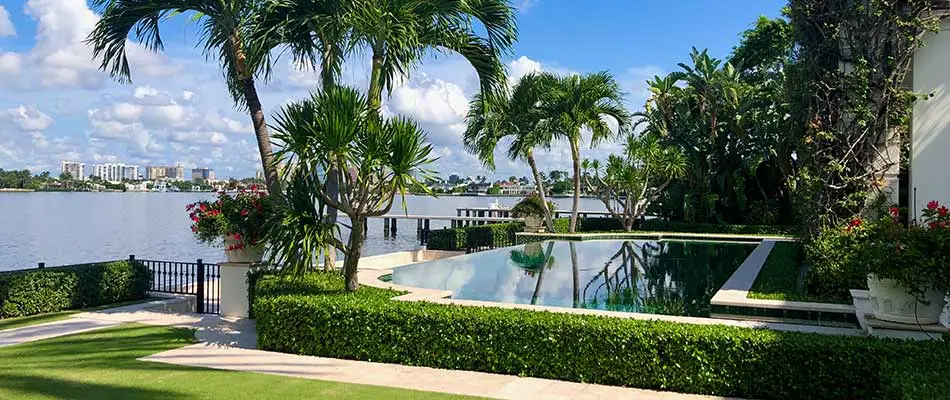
column 57, row 105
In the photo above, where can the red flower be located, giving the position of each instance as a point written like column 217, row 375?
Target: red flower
column 932, row 205
column 204, row 207
column 194, row 228
column 253, row 188
column 943, row 211
column 895, row 212
column 237, row 236
column 855, row 223
column 244, row 212
column 194, row 219
column 932, row 225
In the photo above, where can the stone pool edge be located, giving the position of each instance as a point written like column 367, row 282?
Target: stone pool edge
column 370, row 275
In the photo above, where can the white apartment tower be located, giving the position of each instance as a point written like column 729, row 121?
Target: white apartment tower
column 75, row 169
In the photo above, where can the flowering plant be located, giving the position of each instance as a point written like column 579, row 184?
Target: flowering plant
column 916, row 256
column 241, row 216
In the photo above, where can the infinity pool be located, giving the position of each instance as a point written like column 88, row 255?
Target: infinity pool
column 657, row 277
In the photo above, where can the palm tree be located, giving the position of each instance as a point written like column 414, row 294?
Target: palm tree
column 584, row 102
column 515, row 114
column 398, row 33
column 225, row 28
column 374, row 159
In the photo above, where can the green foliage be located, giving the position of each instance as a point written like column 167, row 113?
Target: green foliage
column 36, row 291
column 473, row 237
column 563, row 225
column 658, row 225
column 241, row 216
column 780, row 277
column 299, row 230
column 531, row 205
column 317, row 317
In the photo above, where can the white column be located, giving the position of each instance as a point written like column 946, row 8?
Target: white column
column 234, row 289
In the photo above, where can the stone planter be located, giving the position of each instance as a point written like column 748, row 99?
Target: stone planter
column 891, row 302
column 233, row 300
column 533, row 223
column 249, row 254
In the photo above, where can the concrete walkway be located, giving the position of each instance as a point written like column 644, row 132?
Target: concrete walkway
column 230, row 344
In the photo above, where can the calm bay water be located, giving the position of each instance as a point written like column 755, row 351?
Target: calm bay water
column 68, row 228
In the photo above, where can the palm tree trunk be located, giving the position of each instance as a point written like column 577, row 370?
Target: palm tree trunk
column 256, row 111
column 544, row 200
column 576, row 155
column 354, row 248
column 575, row 270
column 375, row 94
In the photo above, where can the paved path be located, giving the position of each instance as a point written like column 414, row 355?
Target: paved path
column 230, row 344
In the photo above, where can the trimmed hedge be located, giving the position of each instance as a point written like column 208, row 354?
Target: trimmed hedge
column 37, row 291
column 658, row 225
column 316, row 317
column 599, row 224
column 481, row 236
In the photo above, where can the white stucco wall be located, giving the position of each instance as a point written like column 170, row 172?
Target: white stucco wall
column 930, row 146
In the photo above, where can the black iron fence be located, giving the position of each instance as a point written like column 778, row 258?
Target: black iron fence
column 198, row 278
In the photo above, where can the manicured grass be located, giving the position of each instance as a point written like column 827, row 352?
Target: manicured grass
column 779, row 277
column 10, row 323
column 102, row 365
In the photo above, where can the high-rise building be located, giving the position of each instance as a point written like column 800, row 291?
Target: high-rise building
column 130, row 172
column 110, row 172
column 259, row 175
column 74, row 169
column 154, row 173
column 202, row 174
column 176, row 173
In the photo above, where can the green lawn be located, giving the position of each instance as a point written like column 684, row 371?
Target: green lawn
column 10, row 323
column 102, row 365
column 779, row 277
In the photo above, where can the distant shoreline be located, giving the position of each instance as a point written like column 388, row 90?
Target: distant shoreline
column 8, row 190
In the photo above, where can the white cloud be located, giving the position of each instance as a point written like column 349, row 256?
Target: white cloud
column 634, row 82
column 6, row 26
column 10, row 63
column 29, row 118
column 521, row 67
column 524, row 5
column 435, row 101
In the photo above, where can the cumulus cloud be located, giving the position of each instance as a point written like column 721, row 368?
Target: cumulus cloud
column 6, row 26
column 29, row 118
column 521, row 67
column 10, row 63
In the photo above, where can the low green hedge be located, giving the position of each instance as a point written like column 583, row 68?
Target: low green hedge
column 599, row 224
column 480, row 236
column 316, row 317
column 37, row 291
column 658, row 225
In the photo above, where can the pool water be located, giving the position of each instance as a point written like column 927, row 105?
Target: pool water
column 656, row 277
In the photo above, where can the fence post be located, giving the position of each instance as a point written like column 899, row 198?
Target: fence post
column 41, row 265
column 131, row 258
column 200, row 293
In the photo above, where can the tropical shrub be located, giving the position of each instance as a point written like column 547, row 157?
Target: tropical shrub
column 36, row 291
column 530, row 205
column 241, row 216
column 474, row 237
column 314, row 316
column 659, row 225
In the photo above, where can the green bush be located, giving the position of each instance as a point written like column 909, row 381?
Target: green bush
column 600, row 224
column 658, row 225
column 471, row 237
column 316, row 317
column 37, row 291
column 837, row 264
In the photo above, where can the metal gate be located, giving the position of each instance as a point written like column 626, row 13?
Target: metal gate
column 198, row 278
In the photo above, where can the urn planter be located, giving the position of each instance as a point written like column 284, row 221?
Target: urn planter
column 891, row 301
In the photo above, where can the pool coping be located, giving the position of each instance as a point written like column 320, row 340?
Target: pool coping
column 370, row 277
column 653, row 235
column 735, row 292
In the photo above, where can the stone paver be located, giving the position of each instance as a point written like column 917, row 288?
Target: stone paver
column 399, row 376
column 48, row 330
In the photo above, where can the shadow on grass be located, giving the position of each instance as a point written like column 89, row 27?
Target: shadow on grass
column 30, row 385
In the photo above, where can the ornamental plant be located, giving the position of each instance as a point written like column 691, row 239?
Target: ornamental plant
column 530, row 205
column 241, row 216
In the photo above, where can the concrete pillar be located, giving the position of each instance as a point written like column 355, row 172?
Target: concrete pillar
column 234, row 289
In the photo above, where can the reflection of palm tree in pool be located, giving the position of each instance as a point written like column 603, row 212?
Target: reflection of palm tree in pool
column 534, row 260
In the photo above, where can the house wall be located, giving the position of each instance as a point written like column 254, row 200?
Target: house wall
column 930, row 145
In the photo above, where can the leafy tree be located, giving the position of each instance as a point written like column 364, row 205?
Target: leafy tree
column 225, row 28
column 374, row 158
column 584, row 102
column 514, row 114
column 632, row 181
column 494, row 189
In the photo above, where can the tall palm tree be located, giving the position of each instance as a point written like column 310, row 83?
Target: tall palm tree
column 585, row 102
column 398, row 33
column 224, row 35
column 515, row 114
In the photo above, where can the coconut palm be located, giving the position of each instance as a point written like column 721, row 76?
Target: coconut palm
column 399, row 33
column 585, row 102
column 515, row 114
column 224, row 29
column 374, row 159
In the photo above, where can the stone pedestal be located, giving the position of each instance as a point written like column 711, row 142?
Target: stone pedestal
column 234, row 289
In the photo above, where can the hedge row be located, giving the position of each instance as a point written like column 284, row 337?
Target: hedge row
column 315, row 317
column 37, row 291
column 481, row 236
column 658, row 225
